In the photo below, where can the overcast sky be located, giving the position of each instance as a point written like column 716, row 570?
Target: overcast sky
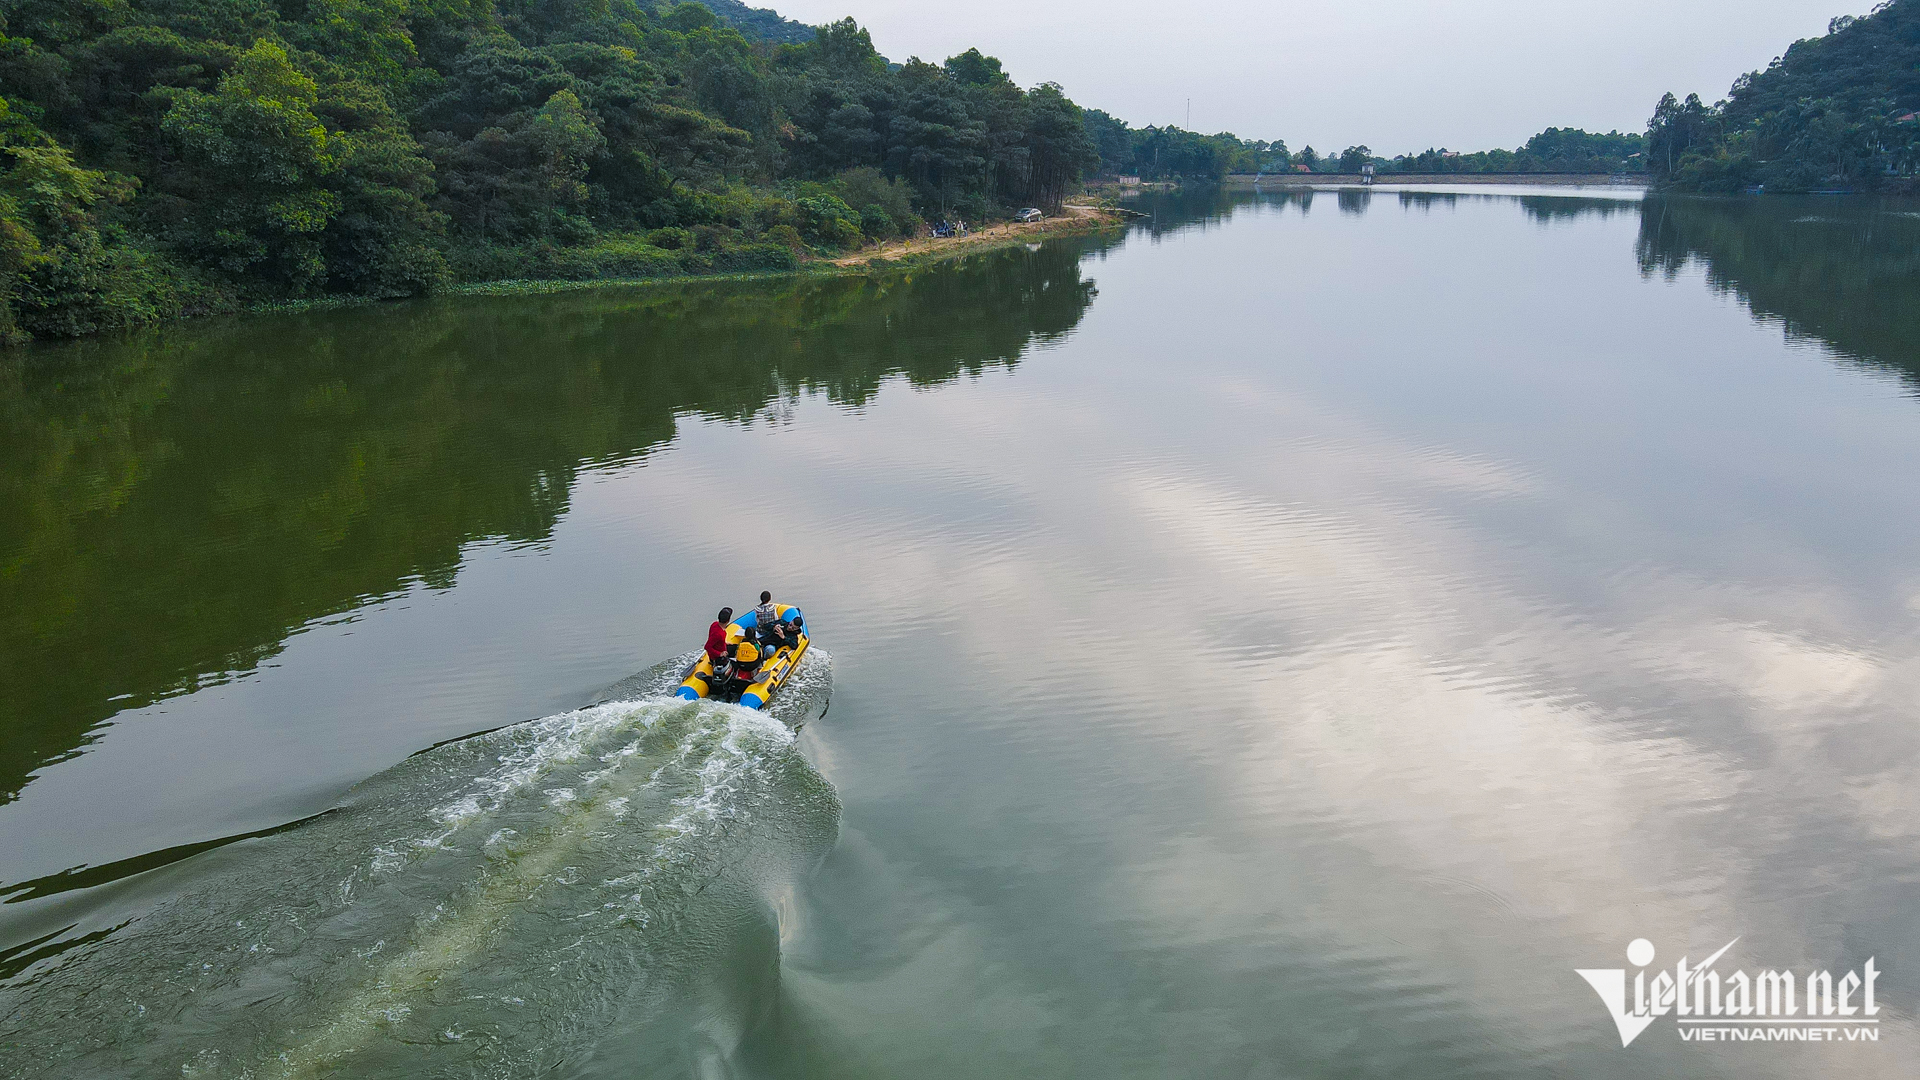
column 1396, row 75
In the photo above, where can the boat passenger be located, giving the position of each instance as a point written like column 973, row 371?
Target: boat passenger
column 766, row 617
column 745, row 669
column 717, row 636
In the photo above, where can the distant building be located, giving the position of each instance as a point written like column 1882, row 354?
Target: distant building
column 1129, row 181
column 1302, row 168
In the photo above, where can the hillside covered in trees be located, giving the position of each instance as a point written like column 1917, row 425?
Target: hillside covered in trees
column 760, row 24
column 168, row 157
column 1833, row 112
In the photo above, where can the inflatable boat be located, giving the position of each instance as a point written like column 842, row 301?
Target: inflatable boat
column 701, row 681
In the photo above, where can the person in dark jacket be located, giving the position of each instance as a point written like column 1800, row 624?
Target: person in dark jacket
column 717, row 636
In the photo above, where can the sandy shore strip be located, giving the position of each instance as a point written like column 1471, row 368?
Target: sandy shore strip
column 1072, row 221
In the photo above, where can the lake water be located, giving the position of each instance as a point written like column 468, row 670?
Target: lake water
column 1285, row 640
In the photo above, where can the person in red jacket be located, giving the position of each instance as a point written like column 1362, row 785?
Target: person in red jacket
column 717, row 637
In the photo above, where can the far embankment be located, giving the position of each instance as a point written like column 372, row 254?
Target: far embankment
column 1402, row 179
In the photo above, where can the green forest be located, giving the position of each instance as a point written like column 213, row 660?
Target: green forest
column 175, row 157
column 1555, row 150
column 1170, row 153
column 1832, row 113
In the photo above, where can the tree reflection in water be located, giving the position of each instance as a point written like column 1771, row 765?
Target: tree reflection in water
column 173, row 504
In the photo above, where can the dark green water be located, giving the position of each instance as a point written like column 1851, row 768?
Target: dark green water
column 1286, row 640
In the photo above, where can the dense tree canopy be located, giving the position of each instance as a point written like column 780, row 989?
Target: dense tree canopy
column 1171, row 153
column 1835, row 111
column 160, row 157
column 1555, row 150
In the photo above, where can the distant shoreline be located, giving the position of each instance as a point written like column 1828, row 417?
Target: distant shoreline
column 888, row 256
column 1305, row 180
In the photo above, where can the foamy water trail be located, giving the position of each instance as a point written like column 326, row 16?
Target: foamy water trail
column 491, row 907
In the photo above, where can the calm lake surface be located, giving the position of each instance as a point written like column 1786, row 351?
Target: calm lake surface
column 1285, row 640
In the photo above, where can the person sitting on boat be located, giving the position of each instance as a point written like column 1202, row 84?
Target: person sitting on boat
column 743, row 671
column 717, row 636
column 766, row 619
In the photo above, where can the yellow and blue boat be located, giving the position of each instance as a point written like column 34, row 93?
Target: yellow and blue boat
column 744, row 633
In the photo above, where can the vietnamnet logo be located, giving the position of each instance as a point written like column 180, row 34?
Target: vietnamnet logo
column 1773, row 1006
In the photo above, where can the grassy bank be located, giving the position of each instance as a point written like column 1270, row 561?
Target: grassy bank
column 654, row 270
